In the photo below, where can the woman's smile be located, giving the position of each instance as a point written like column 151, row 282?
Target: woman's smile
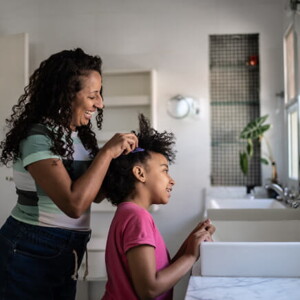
column 87, row 100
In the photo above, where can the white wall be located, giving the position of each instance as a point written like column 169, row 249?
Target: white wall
column 172, row 37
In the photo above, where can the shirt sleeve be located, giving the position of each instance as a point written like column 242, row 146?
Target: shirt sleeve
column 139, row 231
column 34, row 148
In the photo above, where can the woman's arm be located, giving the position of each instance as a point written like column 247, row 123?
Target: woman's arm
column 74, row 197
column 149, row 283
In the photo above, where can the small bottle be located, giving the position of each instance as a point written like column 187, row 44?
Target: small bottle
column 250, row 194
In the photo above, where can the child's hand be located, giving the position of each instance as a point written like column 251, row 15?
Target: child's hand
column 207, row 225
column 210, row 227
column 202, row 233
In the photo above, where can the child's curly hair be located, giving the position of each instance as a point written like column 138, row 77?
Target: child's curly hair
column 119, row 181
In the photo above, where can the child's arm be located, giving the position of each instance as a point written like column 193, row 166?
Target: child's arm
column 149, row 283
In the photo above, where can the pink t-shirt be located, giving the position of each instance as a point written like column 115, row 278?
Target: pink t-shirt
column 131, row 226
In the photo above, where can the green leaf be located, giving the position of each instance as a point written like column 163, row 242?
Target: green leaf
column 262, row 119
column 255, row 128
column 264, row 161
column 262, row 129
column 249, row 148
column 244, row 162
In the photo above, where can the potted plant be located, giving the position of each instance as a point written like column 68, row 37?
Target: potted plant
column 254, row 131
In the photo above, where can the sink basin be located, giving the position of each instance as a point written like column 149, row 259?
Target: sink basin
column 257, row 231
column 247, row 209
column 252, row 248
column 243, row 203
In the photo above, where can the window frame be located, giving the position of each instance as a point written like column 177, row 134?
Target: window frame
column 290, row 98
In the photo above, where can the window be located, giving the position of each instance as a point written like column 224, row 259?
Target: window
column 293, row 142
column 290, row 65
column 291, row 106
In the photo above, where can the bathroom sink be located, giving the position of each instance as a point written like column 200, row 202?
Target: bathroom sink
column 254, row 237
column 243, row 203
column 252, row 248
column 247, row 209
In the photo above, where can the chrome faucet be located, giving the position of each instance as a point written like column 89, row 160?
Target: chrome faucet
column 285, row 195
column 282, row 193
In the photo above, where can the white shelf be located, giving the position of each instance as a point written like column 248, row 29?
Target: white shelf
column 104, row 136
column 80, row 277
column 126, row 94
column 117, row 101
column 127, row 72
column 97, row 243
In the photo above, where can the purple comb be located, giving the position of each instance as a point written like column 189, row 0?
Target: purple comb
column 138, row 149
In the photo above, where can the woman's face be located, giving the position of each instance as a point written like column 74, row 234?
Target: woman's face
column 87, row 100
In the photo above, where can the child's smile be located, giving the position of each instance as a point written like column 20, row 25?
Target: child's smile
column 158, row 181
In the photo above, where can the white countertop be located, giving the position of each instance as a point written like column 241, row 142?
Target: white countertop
column 245, row 288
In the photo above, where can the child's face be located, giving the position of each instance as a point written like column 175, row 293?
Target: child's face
column 158, row 181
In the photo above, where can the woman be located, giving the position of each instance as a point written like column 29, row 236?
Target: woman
column 58, row 172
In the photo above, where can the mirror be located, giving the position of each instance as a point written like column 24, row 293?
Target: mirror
column 180, row 107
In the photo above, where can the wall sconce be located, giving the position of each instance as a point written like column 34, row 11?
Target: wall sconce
column 180, row 107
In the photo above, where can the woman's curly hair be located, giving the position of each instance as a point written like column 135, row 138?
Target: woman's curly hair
column 119, row 181
column 47, row 99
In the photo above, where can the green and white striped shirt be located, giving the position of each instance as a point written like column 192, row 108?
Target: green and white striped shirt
column 34, row 206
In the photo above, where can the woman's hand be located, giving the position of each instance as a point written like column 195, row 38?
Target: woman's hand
column 121, row 143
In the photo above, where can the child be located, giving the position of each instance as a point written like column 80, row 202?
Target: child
column 137, row 260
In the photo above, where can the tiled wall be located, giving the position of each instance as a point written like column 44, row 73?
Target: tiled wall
column 234, row 100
